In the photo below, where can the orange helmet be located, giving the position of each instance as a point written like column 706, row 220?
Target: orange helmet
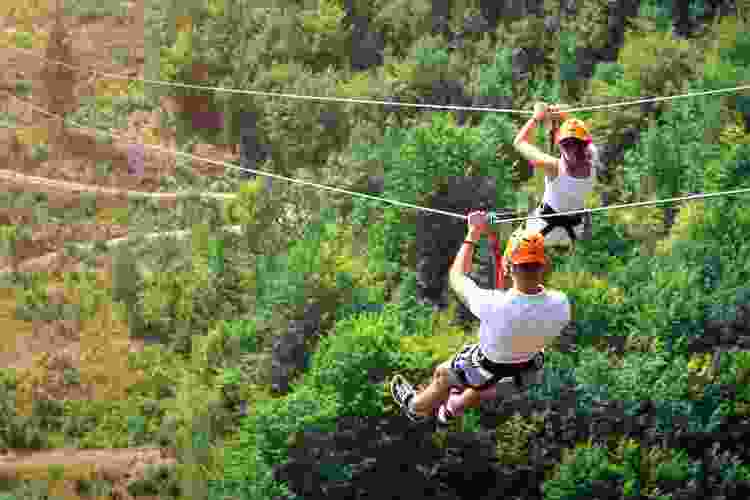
column 525, row 247
column 573, row 128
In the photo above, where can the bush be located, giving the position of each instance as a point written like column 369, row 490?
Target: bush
column 302, row 133
column 24, row 40
column 186, row 300
column 72, row 376
column 324, row 41
column 610, row 73
column 245, row 330
column 353, row 359
column 93, row 488
column 416, row 162
column 731, row 171
column 513, row 438
column 578, row 471
column 674, row 153
column 285, row 280
column 111, row 424
column 568, row 67
column 650, row 376
column 158, row 480
column 274, row 421
column 735, row 368
column 125, row 276
column 96, row 8
column 678, row 469
column 416, row 76
column 402, row 22
column 496, row 79
column 733, row 43
column 557, row 376
column 643, row 56
column 414, row 318
column 23, row 432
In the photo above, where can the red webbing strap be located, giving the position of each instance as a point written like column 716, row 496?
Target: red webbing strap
column 554, row 125
column 499, row 272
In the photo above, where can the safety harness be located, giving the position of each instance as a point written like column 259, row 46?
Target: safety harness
column 567, row 222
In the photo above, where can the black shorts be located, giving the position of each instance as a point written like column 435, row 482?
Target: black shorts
column 468, row 369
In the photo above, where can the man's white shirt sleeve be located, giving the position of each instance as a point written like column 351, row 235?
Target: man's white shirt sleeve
column 475, row 298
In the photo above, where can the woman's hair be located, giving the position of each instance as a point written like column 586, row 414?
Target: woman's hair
column 579, row 154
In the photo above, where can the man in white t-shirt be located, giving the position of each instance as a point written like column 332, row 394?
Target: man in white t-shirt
column 514, row 327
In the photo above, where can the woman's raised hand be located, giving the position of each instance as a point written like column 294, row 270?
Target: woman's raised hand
column 540, row 111
column 557, row 109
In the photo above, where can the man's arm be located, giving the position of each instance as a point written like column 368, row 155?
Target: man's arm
column 461, row 266
column 467, row 291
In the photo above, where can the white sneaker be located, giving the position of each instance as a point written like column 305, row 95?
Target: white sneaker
column 402, row 392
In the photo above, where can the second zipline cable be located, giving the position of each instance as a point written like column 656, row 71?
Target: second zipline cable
column 409, row 205
column 385, row 103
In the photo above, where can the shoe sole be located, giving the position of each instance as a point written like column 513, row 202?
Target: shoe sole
column 400, row 379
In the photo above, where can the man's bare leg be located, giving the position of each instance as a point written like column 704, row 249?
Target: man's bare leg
column 457, row 403
column 437, row 392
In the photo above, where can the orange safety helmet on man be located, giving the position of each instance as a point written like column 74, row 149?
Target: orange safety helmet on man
column 573, row 128
column 525, row 247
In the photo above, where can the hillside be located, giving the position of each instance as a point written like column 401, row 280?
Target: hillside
column 176, row 327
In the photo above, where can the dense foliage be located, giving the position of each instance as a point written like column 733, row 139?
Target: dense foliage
column 223, row 303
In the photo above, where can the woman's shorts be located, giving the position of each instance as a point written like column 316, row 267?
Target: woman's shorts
column 466, row 371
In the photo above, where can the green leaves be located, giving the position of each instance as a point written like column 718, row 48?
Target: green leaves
column 675, row 470
column 274, row 421
column 350, row 360
column 674, row 152
column 244, row 329
column 575, row 476
column 609, row 72
column 568, row 66
column 496, row 79
column 24, row 40
column 428, row 57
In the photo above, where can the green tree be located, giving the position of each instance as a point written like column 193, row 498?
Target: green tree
column 673, row 153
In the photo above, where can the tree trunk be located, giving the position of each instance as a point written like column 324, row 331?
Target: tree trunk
column 59, row 83
column 670, row 213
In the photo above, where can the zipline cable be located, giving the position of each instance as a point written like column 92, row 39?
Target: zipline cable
column 408, row 205
column 275, row 94
column 258, row 172
column 386, row 103
column 633, row 205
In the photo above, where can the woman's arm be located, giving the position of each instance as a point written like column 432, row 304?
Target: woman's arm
column 533, row 154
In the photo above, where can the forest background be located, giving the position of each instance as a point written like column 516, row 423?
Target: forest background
column 273, row 326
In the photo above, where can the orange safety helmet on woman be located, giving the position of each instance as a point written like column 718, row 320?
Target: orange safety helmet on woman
column 573, row 128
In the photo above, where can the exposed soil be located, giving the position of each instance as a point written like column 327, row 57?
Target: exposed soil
column 70, row 169
column 118, row 466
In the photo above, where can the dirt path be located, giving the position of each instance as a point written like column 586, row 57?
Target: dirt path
column 11, row 179
column 117, row 466
column 71, row 169
column 54, row 261
column 110, row 462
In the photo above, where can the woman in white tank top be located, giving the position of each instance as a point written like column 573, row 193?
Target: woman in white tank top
column 568, row 180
